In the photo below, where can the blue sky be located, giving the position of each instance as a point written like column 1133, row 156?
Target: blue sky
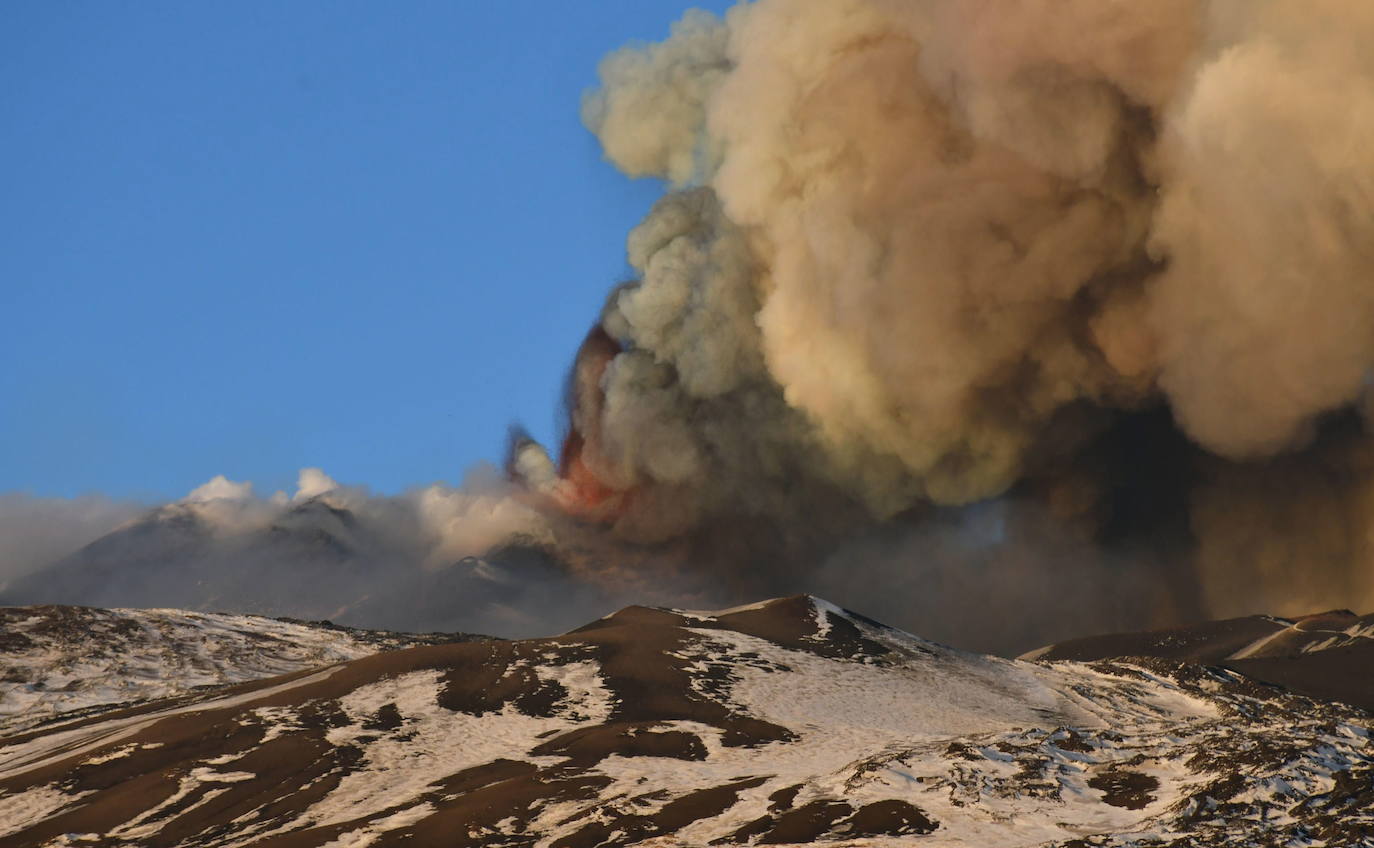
column 244, row 238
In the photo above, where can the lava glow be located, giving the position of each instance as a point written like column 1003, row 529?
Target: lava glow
column 581, row 491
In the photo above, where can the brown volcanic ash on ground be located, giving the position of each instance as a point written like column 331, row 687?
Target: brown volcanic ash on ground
column 1066, row 307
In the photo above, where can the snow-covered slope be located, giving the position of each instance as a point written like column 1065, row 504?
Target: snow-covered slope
column 786, row 722
column 62, row 661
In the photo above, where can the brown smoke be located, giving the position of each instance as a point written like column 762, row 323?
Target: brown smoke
column 921, row 255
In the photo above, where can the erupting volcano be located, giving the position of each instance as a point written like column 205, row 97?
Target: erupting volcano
column 1041, row 328
column 1006, row 320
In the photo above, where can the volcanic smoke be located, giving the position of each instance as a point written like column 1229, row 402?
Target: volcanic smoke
column 1070, row 295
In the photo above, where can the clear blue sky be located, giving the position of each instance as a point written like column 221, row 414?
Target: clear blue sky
column 242, row 238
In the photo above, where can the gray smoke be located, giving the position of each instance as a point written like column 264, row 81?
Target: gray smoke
column 35, row 532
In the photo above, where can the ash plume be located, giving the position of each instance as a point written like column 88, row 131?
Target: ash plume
column 923, row 257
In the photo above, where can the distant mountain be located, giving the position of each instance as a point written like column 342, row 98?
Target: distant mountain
column 785, row 722
column 61, row 662
column 1329, row 655
column 312, row 560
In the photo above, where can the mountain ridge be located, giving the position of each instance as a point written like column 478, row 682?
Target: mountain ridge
column 786, row 722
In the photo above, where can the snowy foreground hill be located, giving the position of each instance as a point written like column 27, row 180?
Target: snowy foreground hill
column 787, row 722
column 63, row 662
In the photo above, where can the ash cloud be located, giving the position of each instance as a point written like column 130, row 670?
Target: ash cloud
column 925, row 257
column 1002, row 320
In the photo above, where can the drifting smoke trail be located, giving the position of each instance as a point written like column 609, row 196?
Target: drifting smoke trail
column 35, row 532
